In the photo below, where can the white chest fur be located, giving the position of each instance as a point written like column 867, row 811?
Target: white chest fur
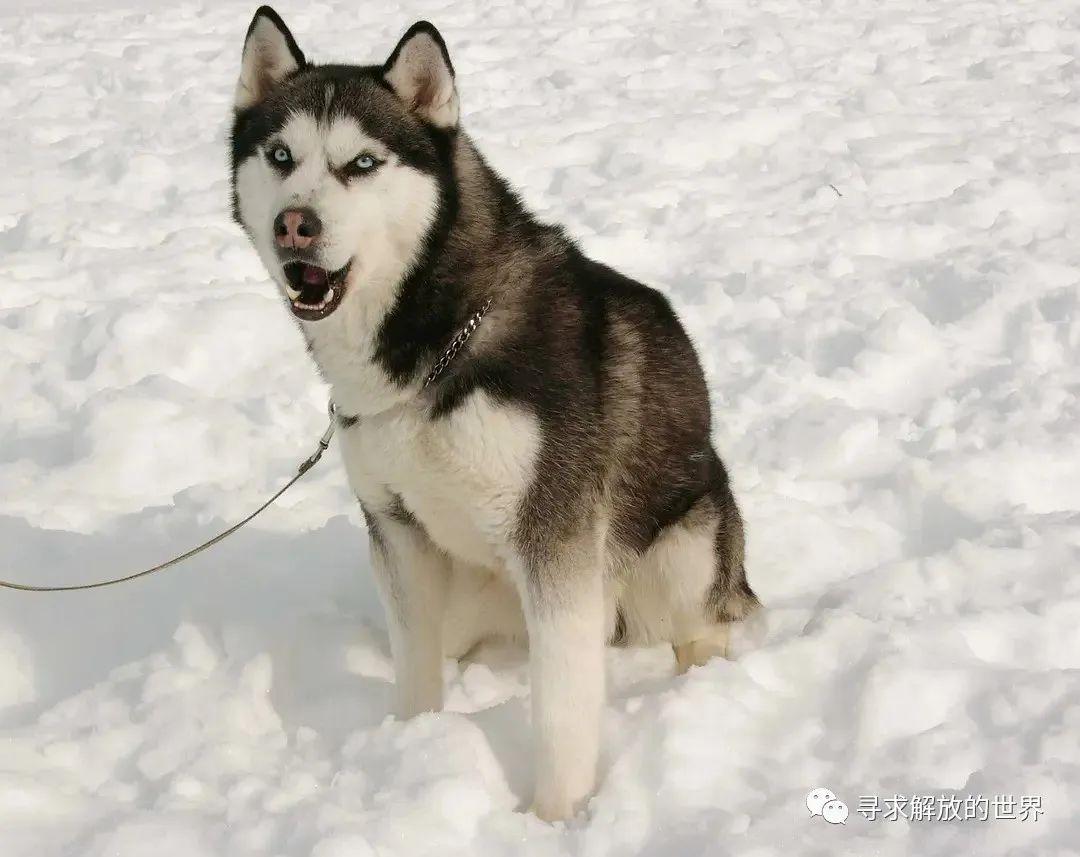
column 462, row 476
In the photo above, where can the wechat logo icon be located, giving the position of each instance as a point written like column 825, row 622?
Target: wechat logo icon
column 821, row 801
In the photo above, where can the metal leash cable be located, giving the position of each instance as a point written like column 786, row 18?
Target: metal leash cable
column 305, row 466
column 444, row 360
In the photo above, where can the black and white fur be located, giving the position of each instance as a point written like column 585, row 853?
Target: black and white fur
column 557, row 483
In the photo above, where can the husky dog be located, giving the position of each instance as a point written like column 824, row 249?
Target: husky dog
column 526, row 429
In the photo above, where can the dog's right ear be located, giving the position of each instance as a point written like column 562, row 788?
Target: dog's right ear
column 270, row 54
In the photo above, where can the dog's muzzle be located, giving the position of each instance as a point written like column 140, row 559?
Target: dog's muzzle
column 314, row 292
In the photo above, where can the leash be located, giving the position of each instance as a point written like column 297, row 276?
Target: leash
column 305, row 466
column 449, row 354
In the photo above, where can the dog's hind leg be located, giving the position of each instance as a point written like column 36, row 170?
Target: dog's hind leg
column 729, row 597
column 667, row 600
column 482, row 606
column 691, row 585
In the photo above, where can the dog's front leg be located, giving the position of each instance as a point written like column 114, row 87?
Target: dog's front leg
column 411, row 574
column 564, row 609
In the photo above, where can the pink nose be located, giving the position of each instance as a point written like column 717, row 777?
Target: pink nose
column 297, row 228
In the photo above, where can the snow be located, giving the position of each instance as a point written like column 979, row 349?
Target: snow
column 866, row 214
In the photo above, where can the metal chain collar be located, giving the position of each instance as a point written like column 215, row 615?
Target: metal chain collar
column 457, row 343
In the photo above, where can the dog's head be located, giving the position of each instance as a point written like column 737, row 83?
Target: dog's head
column 340, row 172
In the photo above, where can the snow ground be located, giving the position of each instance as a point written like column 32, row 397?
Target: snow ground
column 866, row 212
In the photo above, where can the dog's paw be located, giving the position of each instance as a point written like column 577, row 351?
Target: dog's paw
column 695, row 653
column 557, row 807
column 552, row 811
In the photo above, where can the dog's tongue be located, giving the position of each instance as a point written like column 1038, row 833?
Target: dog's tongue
column 314, row 276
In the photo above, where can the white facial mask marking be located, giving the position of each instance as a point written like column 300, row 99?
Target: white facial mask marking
column 378, row 221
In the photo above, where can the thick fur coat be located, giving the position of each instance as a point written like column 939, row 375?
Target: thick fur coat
column 557, row 482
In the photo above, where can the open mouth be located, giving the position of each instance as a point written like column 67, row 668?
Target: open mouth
column 314, row 292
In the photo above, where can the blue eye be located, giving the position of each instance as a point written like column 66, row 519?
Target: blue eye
column 281, row 155
column 365, row 163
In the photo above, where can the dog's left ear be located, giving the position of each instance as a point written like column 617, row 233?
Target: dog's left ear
column 419, row 71
column 270, row 55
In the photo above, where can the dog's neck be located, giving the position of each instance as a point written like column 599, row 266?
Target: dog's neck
column 376, row 351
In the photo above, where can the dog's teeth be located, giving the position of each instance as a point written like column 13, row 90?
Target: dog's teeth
column 293, row 293
column 327, row 299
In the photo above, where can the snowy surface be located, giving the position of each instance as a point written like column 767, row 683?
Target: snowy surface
column 867, row 213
